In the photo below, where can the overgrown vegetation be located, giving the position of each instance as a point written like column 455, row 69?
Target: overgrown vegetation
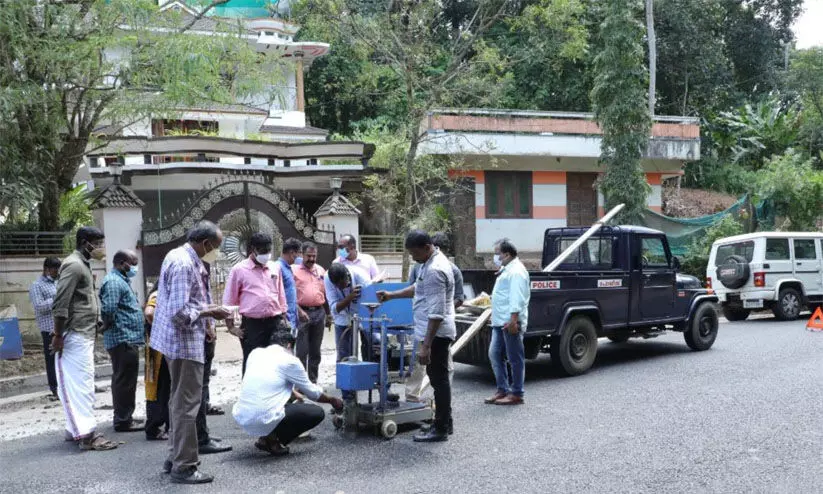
column 697, row 256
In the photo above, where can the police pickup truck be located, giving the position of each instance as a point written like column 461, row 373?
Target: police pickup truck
column 621, row 283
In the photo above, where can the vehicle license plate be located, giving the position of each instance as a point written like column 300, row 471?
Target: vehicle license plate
column 752, row 304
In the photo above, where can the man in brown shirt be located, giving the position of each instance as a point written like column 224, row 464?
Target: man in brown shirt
column 76, row 315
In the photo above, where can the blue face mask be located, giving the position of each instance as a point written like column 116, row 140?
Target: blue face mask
column 342, row 253
column 132, row 272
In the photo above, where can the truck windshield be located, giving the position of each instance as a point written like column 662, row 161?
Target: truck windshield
column 595, row 253
column 742, row 249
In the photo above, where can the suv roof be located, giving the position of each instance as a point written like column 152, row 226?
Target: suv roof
column 756, row 235
column 607, row 229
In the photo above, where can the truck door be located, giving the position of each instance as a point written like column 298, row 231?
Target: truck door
column 657, row 279
column 806, row 262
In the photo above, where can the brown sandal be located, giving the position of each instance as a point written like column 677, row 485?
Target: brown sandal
column 97, row 443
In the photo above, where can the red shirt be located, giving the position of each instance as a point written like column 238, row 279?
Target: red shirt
column 311, row 291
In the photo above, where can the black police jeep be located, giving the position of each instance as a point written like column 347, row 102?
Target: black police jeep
column 621, row 283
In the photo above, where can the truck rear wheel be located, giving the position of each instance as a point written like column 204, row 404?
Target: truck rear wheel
column 788, row 305
column 574, row 351
column 702, row 329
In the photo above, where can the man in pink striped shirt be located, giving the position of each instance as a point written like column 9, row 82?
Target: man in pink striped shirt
column 258, row 291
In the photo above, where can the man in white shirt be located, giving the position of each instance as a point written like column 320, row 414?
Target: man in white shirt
column 272, row 374
column 363, row 264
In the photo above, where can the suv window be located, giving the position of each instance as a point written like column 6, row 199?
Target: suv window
column 653, row 252
column 804, row 249
column 777, row 249
column 743, row 249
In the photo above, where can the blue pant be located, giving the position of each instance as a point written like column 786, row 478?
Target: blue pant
column 505, row 346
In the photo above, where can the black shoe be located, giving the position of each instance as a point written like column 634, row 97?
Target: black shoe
column 215, row 438
column 212, row 447
column 191, row 476
column 449, row 429
column 167, row 467
column 433, row 435
column 392, row 397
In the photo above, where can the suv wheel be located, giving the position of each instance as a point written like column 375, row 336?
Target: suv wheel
column 735, row 313
column 574, row 351
column 733, row 272
column 788, row 305
column 702, row 329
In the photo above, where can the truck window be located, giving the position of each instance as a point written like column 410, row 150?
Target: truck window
column 653, row 253
column 742, row 249
column 595, row 253
column 777, row 249
column 804, row 249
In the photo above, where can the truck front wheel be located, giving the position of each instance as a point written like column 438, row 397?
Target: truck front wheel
column 702, row 329
column 574, row 351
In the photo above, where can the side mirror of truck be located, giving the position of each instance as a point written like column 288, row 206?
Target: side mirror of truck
column 676, row 263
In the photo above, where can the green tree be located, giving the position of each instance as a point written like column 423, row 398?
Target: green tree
column 68, row 69
column 806, row 80
column 794, row 188
column 621, row 108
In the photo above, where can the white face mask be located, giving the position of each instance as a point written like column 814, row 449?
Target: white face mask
column 497, row 261
column 263, row 258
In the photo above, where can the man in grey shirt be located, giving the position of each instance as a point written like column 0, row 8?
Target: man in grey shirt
column 434, row 325
column 441, row 243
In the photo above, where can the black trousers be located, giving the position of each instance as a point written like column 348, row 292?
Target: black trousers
column 202, row 426
column 157, row 412
column 125, row 363
column 257, row 333
column 309, row 340
column 300, row 417
column 50, row 375
column 438, row 372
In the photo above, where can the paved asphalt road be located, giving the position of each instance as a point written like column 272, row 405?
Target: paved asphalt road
column 651, row 416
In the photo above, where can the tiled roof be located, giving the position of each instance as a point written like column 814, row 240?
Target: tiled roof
column 337, row 205
column 282, row 129
column 116, row 196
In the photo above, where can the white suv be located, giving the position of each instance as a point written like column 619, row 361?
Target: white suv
column 781, row 271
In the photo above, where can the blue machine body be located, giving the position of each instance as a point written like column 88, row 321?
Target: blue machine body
column 357, row 376
column 398, row 311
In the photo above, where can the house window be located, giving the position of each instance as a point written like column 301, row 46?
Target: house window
column 312, row 161
column 508, row 194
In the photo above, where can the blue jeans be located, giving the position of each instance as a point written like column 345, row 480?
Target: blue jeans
column 505, row 346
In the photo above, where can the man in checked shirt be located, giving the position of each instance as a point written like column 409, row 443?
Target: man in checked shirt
column 179, row 332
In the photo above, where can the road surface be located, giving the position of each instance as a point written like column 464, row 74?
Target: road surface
column 651, row 416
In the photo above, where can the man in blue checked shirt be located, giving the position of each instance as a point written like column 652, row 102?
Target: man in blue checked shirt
column 41, row 295
column 510, row 316
column 123, row 333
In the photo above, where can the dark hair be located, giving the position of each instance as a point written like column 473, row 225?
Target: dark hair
column 349, row 240
column 338, row 273
column 88, row 234
column 203, row 230
column 282, row 337
column 441, row 241
column 291, row 245
column 507, row 247
column 309, row 246
column 417, row 239
column 121, row 256
column 51, row 262
column 259, row 240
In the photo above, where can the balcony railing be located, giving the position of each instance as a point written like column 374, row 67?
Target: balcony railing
column 32, row 243
column 381, row 244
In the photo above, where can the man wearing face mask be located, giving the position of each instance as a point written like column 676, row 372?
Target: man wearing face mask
column 258, row 291
column 123, row 334
column 179, row 331
column 510, row 314
column 76, row 317
column 359, row 262
column 41, row 295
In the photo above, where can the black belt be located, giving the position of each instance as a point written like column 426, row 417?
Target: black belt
column 311, row 308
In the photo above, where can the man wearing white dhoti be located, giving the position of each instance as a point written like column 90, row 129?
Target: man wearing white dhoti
column 76, row 315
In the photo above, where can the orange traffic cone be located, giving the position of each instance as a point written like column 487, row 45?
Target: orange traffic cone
column 816, row 321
